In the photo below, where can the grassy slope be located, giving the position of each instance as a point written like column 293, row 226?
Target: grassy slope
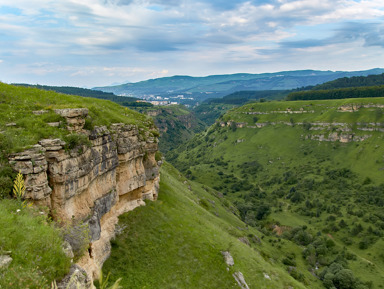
column 35, row 247
column 216, row 157
column 176, row 243
column 17, row 104
column 324, row 111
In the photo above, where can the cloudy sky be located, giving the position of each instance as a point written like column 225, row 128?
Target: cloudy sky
column 99, row 42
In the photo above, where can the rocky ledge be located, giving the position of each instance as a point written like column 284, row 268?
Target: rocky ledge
column 94, row 182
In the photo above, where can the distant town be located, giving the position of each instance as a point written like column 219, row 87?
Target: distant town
column 160, row 100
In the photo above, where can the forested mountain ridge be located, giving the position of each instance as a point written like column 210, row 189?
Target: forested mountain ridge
column 354, row 81
column 346, row 87
column 303, row 170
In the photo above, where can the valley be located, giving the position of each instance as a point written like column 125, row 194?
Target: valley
column 292, row 191
column 298, row 170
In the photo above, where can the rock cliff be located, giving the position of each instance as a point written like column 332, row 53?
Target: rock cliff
column 113, row 171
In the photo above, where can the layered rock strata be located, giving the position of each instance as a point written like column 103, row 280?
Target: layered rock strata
column 333, row 132
column 94, row 182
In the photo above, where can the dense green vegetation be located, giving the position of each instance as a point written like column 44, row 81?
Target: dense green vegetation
column 242, row 97
column 35, row 246
column 345, row 87
column 339, row 93
column 354, row 81
column 176, row 242
column 325, row 196
column 176, row 123
column 208, row 113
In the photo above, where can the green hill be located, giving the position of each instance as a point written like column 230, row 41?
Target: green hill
column 314, row 165
column 338, row 93
column 354, row 81
column 345, row 87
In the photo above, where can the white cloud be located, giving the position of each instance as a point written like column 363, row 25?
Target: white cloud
column 129, row 39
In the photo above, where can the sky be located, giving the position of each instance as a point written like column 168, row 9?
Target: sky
column 90, row 43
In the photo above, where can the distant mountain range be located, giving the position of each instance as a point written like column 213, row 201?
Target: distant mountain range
column 190, row 90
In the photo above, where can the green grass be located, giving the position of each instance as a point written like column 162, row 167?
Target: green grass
column 35, row 246
column 323, row 111
column 18, row 103
column 300, row 182
column 176, row 242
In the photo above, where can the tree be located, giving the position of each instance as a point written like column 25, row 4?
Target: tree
column 344, row 279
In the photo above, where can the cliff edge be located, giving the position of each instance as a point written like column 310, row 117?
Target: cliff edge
column 106, row 172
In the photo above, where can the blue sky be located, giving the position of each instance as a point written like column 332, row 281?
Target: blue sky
column 99, row 42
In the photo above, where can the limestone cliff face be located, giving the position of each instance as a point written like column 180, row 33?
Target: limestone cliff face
column 94, row 182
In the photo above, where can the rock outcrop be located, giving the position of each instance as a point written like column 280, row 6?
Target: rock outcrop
column 94, row 182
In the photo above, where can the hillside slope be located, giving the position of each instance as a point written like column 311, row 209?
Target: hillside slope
column 316, row 165
column 180, row 246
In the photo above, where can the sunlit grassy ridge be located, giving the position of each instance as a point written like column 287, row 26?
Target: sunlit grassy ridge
column 315, row 110
column 18, row 103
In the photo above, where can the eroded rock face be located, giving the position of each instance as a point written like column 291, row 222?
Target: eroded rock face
column 93, row 184
column 75, row 117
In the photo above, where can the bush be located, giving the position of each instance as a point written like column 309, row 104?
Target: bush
column 76, row 140
column 158, row 156
column 77, row 235
column 5, row 187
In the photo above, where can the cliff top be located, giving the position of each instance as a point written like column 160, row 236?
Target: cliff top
column 349, row 111
column 28, row 115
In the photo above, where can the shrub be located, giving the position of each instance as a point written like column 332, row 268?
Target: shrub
column 204, row 203
column 89, row 125
column 76, row 140
column 5, row 186
column 77, row 235
column 158, row 156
